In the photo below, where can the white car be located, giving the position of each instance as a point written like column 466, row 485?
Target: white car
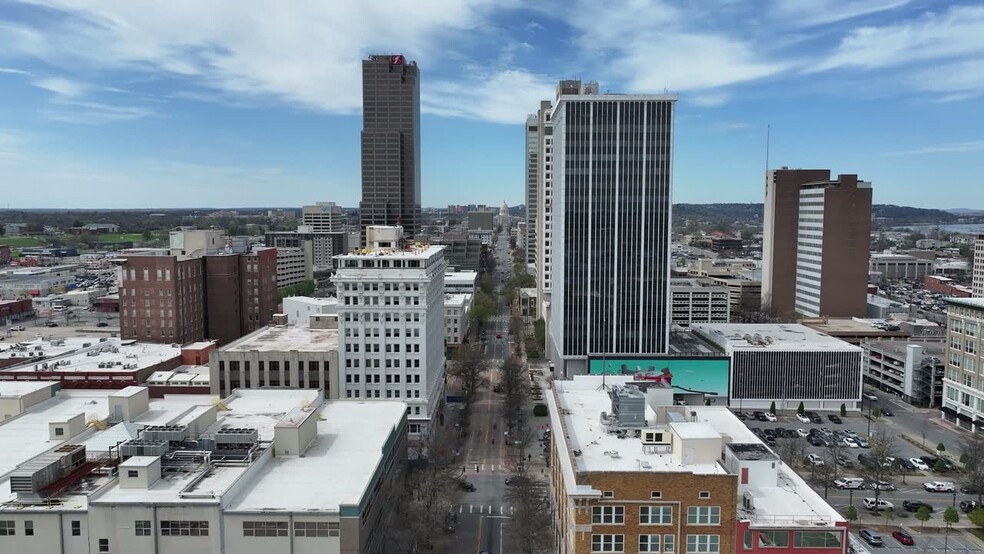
column 939, row 486
column 849, row 442
column 771, row 417
column 881, row 504
column 802, row 418
column 815, row 460
column 870, row 397
column 920, row 465
column 802, row 433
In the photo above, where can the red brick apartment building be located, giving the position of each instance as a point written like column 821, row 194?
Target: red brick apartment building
column 170, row 299
column 634, row 473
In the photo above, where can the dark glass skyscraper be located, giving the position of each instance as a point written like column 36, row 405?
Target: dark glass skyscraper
column 613, row 159
column 390, row 144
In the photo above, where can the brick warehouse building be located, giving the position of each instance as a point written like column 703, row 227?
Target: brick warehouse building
column 172, row 299
column 633, row 472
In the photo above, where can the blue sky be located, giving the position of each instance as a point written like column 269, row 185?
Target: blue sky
column 235, row 103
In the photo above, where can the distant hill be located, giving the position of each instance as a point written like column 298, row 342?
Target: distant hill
column 964, row 212
column 752, row 213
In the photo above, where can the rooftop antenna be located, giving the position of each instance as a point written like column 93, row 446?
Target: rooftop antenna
column 768, row 132
column 604, row 372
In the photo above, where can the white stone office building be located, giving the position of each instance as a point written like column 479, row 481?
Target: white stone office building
column 323, row 217
column 963, row 384
column 542, row 232
column 610, row 225
column 456, row 312
column 391, row 324
column 977, row 282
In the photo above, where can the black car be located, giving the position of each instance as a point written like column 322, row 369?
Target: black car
column 914, row 505
column 466, row 486
column 931, row 461
column 51, row 324
column 815, row 440
column 834, row 418
column 887, row 413
column 967, row 506
column 759, row 416
column 969, row 489
column 741, row 416
column 865, row 460
column 905, row 464
column 102, row 324
column 770, row 440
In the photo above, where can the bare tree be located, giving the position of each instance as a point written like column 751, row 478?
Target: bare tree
column 422, row 507
column 471, row 367
column 515, row 388
column 973, row 460
column 791, row 451
column 531, row 527
column 881, row 456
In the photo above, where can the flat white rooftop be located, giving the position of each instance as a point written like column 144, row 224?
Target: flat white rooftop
column 185, row 376
column 582, row 401
column 769, row 336
column 456, row 300
column 38, row 346
column 112, row 354
column 460, row 277
column 419, row 251
column 346, row 454
column 283, row 338
column 17, row 389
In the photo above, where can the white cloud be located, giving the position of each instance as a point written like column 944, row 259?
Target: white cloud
column 955, row 81
column 806, row 13
column 707, row 99
column 957, row 32
column 948, row 148
column 62, row 86
column 304, row 54
column 502, row 97
column 13, row 71
column 94, row 112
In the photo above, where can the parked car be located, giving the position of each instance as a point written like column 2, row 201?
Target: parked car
column 51, row 324
column 906, row 464
column 849, row 442
column 871, row 537
column 17, row 328
column 887, row 413
column 815, row 460
column 759, row 416
column 834, row 418
column 969, row 489
column 741, row 416
column 880, row 486
column 803, row 418
column 879, row 505
column 870, row 397
column 939, row 486
column 914, row 505
column 815, row 440
column 770, row 440
column 903, row 537
column 967, row 506
column 102, row 324
column 849, row 483
column 865, row 460
column 844, row 462
column 919, row 464
column 802, row 433
column 771, row 417
column 861, row 442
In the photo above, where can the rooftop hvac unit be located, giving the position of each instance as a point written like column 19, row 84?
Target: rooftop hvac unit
column 138, row 447
column 31, row 477
column 167, row 433
column 236, row 436
column 628, row 406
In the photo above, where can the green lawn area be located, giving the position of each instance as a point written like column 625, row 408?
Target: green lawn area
column 20, row 242
column 118, row 237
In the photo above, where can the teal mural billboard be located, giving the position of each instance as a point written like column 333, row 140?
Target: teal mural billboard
column 707, row 375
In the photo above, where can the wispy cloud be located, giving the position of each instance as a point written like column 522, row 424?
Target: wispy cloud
column 13, row 71
column 707, row 99
column 501, row 97
column 62, row 86
column 808, row 13
column 93, row 113
column 949, row 148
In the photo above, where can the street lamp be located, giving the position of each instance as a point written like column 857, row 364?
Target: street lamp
column 863, row 398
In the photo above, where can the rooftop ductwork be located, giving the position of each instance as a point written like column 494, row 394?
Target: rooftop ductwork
column 32, row 477
column 628, row 406
column 167, row 433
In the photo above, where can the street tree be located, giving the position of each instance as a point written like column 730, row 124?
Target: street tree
column 470, row 366
column 826, row 473
column 881, row 455
column 772, row 408
column 922, row 514
column 977, row 517
column 851, row 513
column 422, row 505
column 515, row 390
column 973, row 459
column 531, row 527
column 801, row 409
column 940, row 449
column 791, row 451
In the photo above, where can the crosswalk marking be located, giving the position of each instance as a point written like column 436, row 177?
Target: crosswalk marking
column 491, row 509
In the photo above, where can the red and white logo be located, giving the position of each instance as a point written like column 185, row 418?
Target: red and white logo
column 396, row 60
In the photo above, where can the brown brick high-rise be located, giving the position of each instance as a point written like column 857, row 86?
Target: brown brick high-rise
column 390, row 144
column 166, row 299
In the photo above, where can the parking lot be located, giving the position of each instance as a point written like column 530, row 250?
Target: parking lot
column 911, row 489
column 924, row 542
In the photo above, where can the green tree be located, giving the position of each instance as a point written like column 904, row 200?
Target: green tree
column 939, row 466
column 922, row 514
column 977, row 517
column 843, row 410
column 801, row 409
column 484, row 308
column 772, row 408
column 875, row 413
column 540, row 333
column 851, row 513
column 951, row 516
column 973, row 461
column 304, row 288
column 940, row 448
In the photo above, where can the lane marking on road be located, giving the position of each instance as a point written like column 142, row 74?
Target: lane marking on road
column 461, row 509
column 490, row 509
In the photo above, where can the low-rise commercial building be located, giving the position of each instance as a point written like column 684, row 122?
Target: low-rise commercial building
column 787, row 364
column 895, row 267
column 908, row 370
column 456, row 311
column 632, row 472
column 278, row 356
column 461, row 282
column 12, row 311
column 194, row 474
column 89, row 363
column 36, row 281
column 947, row 286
